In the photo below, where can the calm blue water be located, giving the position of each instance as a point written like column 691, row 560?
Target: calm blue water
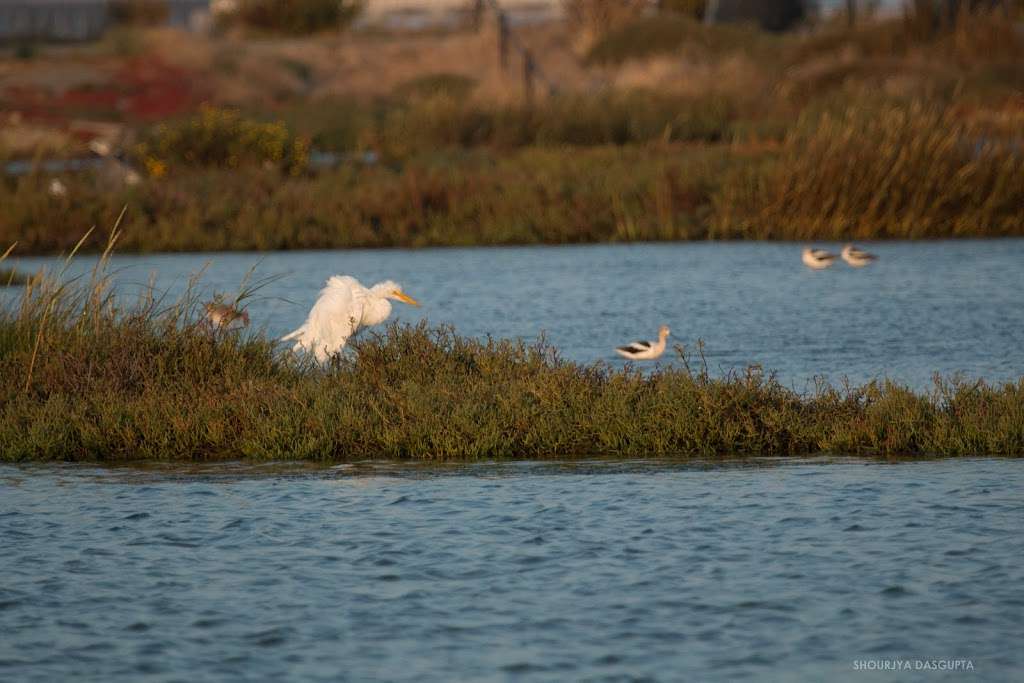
column 764, row 570
column 924, row 307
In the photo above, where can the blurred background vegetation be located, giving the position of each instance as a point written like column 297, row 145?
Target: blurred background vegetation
column 318, row 124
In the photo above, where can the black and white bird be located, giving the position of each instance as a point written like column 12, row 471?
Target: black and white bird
column 645, row 350
column 818, row 259
column 857, row 257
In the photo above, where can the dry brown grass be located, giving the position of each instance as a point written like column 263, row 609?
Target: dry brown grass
column 20, row 139
column 589, row 20
column 737, row 76
column 908, row 172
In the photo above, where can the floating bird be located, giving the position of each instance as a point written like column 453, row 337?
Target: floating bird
column 856, row 257
column 343, row 308
column 818, row 259
column 645, row 350
column 222, row 316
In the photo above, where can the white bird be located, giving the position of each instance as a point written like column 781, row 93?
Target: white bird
column 856, row 257
column 343, row 308
column 645, row 350
column 818, row 259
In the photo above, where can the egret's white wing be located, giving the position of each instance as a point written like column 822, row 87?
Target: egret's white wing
column 333, row 319
column 336, row 314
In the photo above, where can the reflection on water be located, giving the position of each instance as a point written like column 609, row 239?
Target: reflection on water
column 780, row 570
column 925, row 307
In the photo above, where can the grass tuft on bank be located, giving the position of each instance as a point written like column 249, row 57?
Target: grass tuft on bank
column 88, row 377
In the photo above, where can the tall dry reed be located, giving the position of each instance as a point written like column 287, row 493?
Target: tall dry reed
column 900, row 172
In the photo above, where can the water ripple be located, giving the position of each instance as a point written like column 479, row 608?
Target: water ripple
column 595, row 571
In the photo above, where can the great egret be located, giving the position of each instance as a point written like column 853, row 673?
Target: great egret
column 818, row 259
column 223, row 316
column 858, row 258
column 645, row 350
column 344, row 306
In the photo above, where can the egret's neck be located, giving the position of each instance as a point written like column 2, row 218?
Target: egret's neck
column 376, row 310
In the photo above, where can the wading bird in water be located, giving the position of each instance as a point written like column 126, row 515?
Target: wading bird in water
column 343, row 308
column 818, row 259
column 645, row 350
column 856, row 257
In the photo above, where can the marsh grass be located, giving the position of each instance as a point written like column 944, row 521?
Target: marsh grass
column 441, row 120
column 88, row 378
column 464, row 198
column 886, row 171
column 906, row 172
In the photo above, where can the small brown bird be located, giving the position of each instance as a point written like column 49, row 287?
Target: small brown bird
column 222, row 316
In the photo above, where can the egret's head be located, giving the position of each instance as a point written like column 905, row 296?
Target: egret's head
column 663, row 331
column 391, row 290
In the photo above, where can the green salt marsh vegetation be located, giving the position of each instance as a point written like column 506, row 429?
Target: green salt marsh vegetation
column 88, row 377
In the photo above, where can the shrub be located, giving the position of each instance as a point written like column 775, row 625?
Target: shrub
column 609, row 119
column 223, row 138
column 139, row 12
column 695, row 9
column 647, row 37
column 298, row 17
column 640, row 39
column 25, row 51
column 597, row 17
column 454, row 86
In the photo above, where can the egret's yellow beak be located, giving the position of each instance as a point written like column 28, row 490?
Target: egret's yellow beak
column 402, row 296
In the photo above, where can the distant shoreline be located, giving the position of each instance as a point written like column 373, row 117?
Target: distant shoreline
column 554, row 196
